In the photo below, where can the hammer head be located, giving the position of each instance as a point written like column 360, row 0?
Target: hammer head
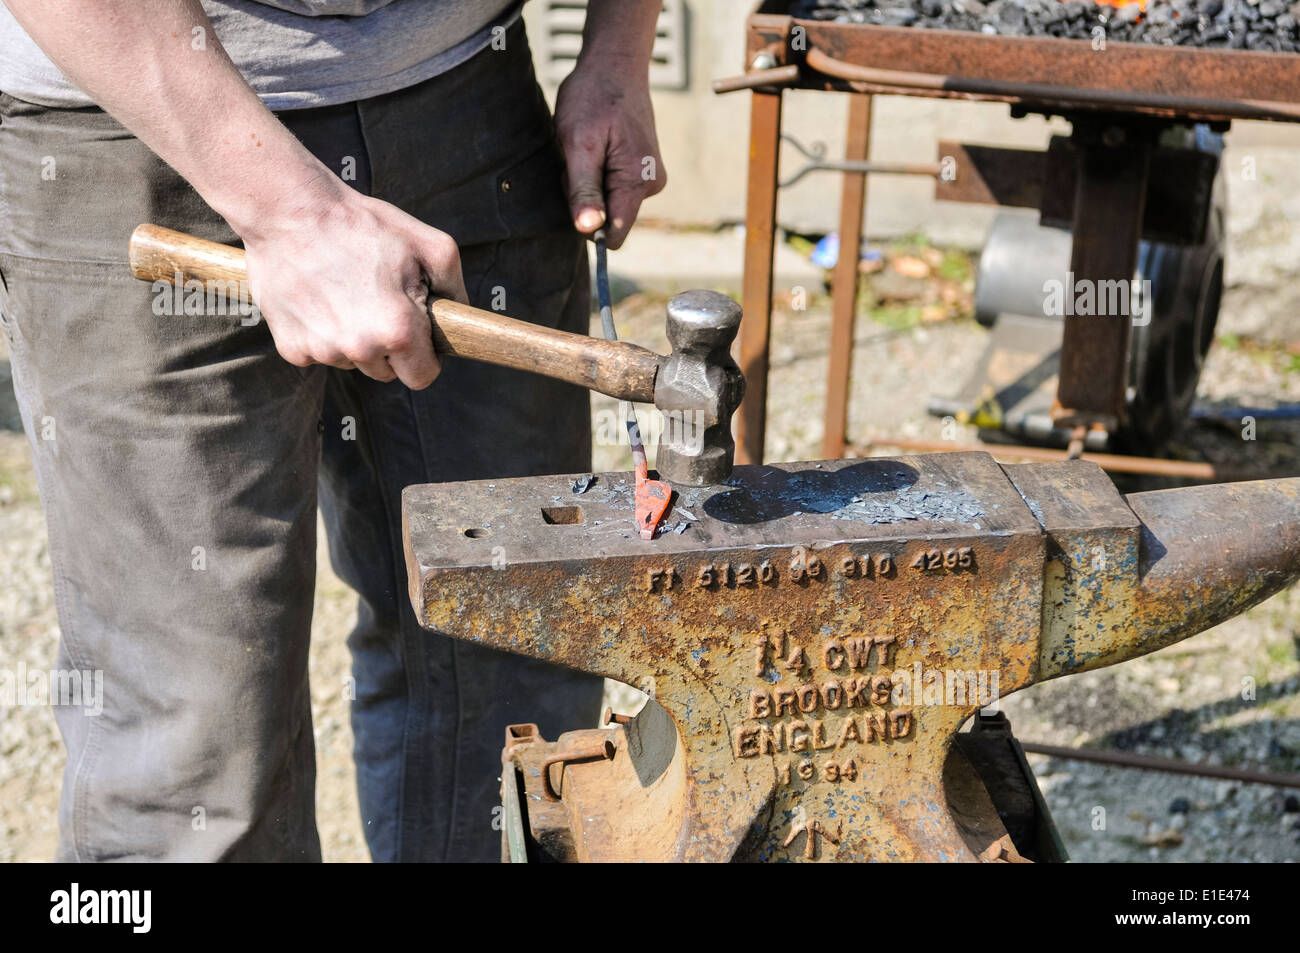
column 698, row 388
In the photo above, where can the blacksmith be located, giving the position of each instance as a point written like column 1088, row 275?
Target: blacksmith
column 367, row 154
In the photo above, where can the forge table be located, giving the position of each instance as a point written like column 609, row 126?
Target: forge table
column 1110, row 181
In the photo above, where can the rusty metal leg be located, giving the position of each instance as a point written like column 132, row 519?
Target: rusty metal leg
column 844, row 282
column 1111, row 190
column 760, row 236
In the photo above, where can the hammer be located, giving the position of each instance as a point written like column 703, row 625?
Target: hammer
column 697, row 387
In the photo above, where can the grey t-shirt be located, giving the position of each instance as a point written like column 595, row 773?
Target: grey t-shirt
column 298, row 53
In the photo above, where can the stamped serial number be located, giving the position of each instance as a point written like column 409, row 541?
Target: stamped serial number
column 962, row 557
column 801, row 566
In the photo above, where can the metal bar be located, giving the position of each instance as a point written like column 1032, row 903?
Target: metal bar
column 599, row 749
column 1280, row 412
column 1142, row 77
column 1127, row 759
column 990, row 175
column 1113, row 462
column 930, row 169
column 756, row 297
column 819, row 163
column 610, row 717
column 516, row 845
column 844, row 281
column 758, row 79
column 1110, row 195
column 652, row 496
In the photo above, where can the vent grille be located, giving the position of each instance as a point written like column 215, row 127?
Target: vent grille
column 556, row 49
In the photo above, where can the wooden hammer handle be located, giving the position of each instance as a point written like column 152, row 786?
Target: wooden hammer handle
column 621, row 370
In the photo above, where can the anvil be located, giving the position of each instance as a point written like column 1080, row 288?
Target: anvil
column 814, row 635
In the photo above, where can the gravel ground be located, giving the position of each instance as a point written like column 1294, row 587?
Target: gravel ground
column 914, row 339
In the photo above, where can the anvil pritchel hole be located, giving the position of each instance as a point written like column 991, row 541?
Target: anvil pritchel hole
column 475, row 532
column 562, row 515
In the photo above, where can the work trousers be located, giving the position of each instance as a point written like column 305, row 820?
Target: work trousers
column 181, row 461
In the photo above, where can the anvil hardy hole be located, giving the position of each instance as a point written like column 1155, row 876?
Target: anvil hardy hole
column 561, row 515
column 475, row 532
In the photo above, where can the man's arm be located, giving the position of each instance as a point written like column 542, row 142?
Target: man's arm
column 605, row 121
column 338, row 276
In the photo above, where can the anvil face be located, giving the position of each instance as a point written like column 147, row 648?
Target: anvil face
column 543, row 519
column 817, row 634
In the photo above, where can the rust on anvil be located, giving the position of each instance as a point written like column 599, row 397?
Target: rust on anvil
column 816, row 635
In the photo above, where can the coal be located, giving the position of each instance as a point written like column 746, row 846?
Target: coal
column 1129, row 14
column 1267, row 25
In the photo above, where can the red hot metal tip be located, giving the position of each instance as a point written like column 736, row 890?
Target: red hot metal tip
column 652, row 498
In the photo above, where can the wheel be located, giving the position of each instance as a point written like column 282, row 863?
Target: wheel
column 1168, row 354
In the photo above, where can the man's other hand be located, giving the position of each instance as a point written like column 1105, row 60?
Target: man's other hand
column 606, row 127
